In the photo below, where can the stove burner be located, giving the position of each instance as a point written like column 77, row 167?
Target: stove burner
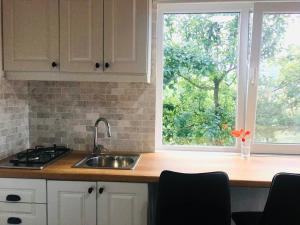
column 35, row 158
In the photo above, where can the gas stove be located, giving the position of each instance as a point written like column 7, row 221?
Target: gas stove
column 35, row 158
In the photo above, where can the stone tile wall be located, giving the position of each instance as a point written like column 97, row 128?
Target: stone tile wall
column 13, row 116
column 65, row 112
column 43, row 113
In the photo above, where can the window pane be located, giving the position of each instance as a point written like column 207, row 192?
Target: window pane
column 200, row 78
column 278, row 102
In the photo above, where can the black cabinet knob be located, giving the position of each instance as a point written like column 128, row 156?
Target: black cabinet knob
column 91, row 189
column 54, row 64
column 14, row 220
column 101, row 190
column 97, row 65
column 13, row 198
column 107, row 65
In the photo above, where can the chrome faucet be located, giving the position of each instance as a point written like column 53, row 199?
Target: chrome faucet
column 98, row 148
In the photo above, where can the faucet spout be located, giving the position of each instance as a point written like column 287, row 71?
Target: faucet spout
column 106, row 124
column 98, row 147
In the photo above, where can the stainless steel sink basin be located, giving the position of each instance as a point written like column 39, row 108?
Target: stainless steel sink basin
column 109, row 161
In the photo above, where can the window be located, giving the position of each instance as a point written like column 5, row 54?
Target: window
column 274, row 98
column 203, row 87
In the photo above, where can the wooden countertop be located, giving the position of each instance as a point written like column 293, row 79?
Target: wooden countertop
column 257, row 171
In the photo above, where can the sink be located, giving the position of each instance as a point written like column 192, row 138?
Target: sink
column 109, row 161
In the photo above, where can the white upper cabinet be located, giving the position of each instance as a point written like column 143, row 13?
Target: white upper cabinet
column 81, row 35
column 77, row 40
column 126, row 36
column 30, row 35
column 122, row 203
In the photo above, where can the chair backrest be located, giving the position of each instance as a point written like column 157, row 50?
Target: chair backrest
column 283, row 203
column 188, row 199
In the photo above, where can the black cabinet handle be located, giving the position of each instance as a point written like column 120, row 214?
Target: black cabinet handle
column 13, row 198
column 107, row 65
column 14, row 220
column 97, row 65
column 101, row 190
column 91, row 189
column 54, row 64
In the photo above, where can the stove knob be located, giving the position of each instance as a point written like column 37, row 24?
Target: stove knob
column 38, row 146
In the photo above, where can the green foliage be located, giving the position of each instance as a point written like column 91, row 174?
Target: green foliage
column 199, row 79
column 200, row 76
column 279, row 98
column 274, row 25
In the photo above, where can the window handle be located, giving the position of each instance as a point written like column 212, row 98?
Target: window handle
column 253, row 75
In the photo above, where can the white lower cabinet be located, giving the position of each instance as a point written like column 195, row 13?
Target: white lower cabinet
column 23, row 201
column 22, row 213
column 71, row 203
column 122, row 203
column 104, row 203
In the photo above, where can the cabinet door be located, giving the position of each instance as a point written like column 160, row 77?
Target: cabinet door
column 81, row 35
column 30, row 35
column 126, row 36
column 122, row 203
column 71, row 203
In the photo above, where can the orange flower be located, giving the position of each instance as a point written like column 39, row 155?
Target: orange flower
column 240, row 134
column 236, row 133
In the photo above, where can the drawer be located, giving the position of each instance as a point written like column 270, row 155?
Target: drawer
column 23, row 213
column 22, row 190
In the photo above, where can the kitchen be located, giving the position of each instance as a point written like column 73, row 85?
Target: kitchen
column 63, row 72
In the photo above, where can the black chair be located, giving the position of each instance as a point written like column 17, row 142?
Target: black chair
column 188, row 199
column 282, row 207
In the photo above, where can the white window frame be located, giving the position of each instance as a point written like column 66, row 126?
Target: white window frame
column 244, row 9
column 259, row 10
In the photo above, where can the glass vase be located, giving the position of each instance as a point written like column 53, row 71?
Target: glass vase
column 245, row 149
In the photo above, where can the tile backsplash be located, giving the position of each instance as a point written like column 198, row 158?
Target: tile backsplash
column 65, row 113
column 13, row 116
column 43, row 113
